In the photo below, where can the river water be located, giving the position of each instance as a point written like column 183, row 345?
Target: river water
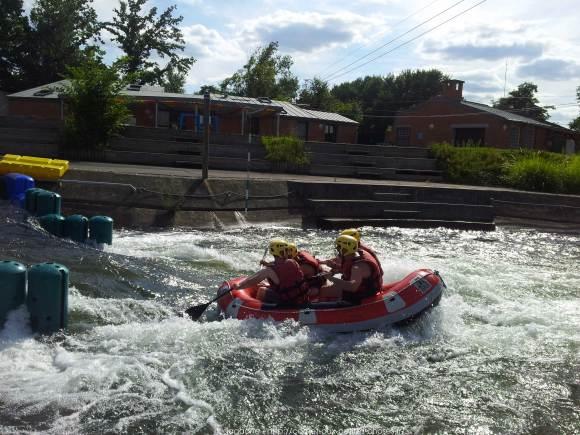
column 499, row 355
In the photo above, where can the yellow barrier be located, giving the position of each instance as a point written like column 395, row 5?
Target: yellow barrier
column 39, row 168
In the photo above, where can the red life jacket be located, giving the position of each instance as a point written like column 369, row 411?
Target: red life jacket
column 369, row 286
column 305, row 257
column 292, row 287
column 373, row 253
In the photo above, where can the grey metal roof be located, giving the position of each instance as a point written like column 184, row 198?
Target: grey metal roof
column 41, row 91
column 294, row 111
column 157, row 93
column 505, row 114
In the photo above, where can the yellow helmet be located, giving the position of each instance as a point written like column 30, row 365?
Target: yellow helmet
column 278, row 247
column 353, row 232
column 292, row 250
column 346, row 245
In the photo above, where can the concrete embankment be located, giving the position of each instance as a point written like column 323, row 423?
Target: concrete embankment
column 147, row 196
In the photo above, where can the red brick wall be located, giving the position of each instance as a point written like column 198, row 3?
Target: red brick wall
column 232, row 124
column 47, row 109
column 144, row 114
column 428, row 130
column 347, row 133
column 316, row 131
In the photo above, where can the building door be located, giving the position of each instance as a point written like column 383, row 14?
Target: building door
column 302, row 130
column 403, row 136
column 469, row 137
column 255, row 126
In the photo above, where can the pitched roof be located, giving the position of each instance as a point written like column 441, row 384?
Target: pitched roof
column 509, row 116
column 294, row 111
column 285, row 108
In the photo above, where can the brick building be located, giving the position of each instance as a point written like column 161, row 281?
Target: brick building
column 449, row 118
column 230, row 115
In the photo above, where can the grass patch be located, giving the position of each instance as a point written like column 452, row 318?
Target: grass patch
column 523, row 169
column 285, row 149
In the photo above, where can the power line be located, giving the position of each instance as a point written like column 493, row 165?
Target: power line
column 380, row 33
column 411, row 40
column 329, row 76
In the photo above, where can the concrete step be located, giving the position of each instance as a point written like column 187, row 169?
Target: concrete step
column 338, row 223
column 373, row 161
column 392, row 196
column 366, row 150
column 29, row 149
column 349, row 208
column 376, row 173
column 29, row 135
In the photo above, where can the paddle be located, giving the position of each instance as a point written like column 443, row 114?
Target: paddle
column 196, row 312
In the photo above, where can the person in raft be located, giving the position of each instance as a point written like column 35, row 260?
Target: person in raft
column 334, row 263
column 361, row 275
column 284, row 276
column 308, row 263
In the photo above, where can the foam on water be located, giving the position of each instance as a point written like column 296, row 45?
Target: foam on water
column 498, row 355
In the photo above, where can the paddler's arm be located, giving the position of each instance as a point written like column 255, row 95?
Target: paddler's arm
column 356, row 278
column 256, row 278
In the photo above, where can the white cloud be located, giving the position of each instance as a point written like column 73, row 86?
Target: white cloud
column 306, row 32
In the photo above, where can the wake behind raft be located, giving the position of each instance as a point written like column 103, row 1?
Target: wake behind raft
column 397, row 302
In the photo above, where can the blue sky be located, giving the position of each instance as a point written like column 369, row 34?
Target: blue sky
column 539, row 40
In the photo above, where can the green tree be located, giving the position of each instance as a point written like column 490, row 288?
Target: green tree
column 140, row 33
column 316, row 94
column 208, row 89
column 266, row 74
column 95, row 108
column 174, row 81
column 14, row 31
column 523, row 101
column 62, row 32
column 375, row 100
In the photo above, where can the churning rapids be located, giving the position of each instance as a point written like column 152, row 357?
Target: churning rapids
column 500, row 354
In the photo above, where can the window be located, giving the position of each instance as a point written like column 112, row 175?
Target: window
column 528, row 136
column 515, row 136
column 403, row 136
column 329, row 133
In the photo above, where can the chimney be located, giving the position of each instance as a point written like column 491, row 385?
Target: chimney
column 452, row 89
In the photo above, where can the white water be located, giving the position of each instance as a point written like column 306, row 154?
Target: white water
column 499, row 355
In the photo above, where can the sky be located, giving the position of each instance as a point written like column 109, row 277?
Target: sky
column 494, row 46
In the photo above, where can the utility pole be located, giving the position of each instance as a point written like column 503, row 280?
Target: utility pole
column 206, row 127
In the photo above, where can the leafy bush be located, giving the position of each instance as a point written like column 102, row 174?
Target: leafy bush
column 536, row 173
column 470, row 165
column 521, row 169
column 285, row 149
column 571, row 175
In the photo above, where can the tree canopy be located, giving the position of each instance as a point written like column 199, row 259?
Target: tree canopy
column 14, row 30
column 140, row 33
column 379, row 98
column 38, row 50
column 266, row 74
column 523, row 101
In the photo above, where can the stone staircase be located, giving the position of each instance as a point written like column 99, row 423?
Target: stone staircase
column 166, row 147
column 343, row 206
column 29, row 137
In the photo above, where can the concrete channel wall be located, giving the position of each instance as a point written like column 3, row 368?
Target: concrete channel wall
column 154, row 200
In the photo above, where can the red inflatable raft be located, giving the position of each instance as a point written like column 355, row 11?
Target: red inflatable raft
column 396, row 302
